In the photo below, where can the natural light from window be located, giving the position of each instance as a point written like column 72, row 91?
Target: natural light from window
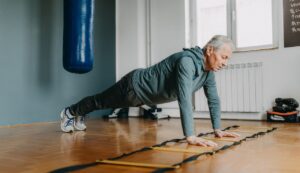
column 247, row 22
column 253, row 23
column 211, row 16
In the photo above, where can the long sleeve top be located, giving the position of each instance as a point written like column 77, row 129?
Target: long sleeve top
column 177, row 77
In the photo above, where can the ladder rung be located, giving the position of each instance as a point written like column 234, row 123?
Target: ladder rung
column 255, row 127
column 149, row 165
column 200, row 150
column 242, row 131
column 220, row 139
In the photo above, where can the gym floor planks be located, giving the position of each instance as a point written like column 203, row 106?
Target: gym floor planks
column 44, row 148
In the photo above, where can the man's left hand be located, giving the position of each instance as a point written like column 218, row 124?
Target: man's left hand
column 219, row 133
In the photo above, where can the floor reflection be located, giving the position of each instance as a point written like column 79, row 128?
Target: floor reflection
column 133, row 133
column 69, row 141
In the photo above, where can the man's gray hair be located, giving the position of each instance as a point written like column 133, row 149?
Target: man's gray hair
column 218, row 41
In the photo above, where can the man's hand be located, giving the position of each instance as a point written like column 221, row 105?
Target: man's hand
column 194, row 140
column 219, row 133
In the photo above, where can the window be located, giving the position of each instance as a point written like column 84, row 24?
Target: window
column 214, row 15
column 249, row 23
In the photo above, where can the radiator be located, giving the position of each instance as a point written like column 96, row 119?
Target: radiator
column 240, row 88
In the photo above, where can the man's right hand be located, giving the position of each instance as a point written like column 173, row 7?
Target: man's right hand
column 194, row 140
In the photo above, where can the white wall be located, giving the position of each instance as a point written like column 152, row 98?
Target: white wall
column 130, row 36
column 167, row 32
column 168, row 36
column 166, row 29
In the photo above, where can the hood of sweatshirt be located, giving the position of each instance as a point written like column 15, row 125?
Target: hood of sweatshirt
column 198, row 58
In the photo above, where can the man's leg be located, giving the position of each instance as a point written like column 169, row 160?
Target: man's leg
column 119, row 95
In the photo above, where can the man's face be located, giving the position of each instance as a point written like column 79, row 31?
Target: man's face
column 217, row 59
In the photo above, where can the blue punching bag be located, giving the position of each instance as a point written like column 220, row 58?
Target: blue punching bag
column 78, row 55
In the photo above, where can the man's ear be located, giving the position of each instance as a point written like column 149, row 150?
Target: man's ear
column 209, row 50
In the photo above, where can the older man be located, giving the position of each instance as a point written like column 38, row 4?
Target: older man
column 175, row 78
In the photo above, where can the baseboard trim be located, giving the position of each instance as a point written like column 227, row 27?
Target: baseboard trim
column 29, row 124
column 174, row 113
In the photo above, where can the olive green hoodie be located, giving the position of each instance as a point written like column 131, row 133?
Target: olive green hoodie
column 176, row 78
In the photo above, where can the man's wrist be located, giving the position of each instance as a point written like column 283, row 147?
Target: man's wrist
column 190, row 137
column 217, row 130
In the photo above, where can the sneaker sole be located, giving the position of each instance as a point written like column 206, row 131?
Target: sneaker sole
column 79, row 129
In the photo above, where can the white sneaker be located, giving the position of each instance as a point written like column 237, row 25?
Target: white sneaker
column 79, row 123
column 66, row 121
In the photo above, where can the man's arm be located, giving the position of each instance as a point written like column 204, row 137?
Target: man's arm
column 214, row 105
column 213, row 101
column 185, row 70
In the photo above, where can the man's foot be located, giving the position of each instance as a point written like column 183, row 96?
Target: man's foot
column 66, row 120
column 79, row 123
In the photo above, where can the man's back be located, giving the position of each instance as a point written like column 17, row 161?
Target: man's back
column 159, row 83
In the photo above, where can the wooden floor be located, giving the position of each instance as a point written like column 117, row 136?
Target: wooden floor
column 43, row 147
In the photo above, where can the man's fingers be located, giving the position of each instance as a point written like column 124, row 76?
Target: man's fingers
column 211, row 144
column 226, row 134
column 207, row 144
column 236, row 135
column 201, row 144
column 232, row 134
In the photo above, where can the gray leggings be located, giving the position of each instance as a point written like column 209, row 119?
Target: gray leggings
column 120, row 95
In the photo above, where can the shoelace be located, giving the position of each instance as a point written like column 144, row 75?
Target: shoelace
column 69, row 122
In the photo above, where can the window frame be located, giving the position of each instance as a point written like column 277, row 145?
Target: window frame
column 231, row 26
